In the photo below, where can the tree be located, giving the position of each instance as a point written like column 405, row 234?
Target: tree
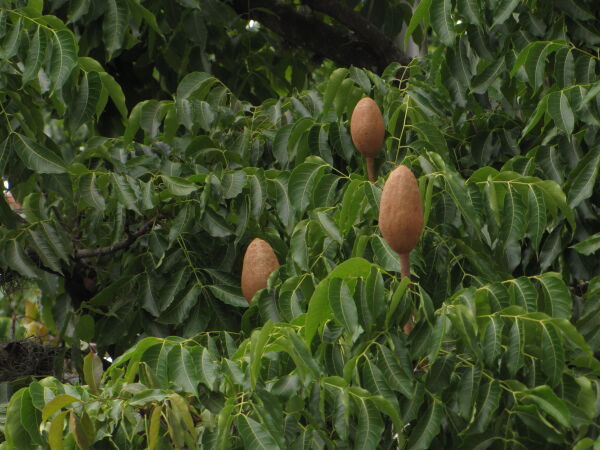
column 145, row 143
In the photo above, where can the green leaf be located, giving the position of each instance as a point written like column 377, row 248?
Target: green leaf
column 466, row 393
column 179, row 186
column 175, row 284
column 179, row 310
column 114, row 25
column 436, row 339
column 319, row 309
column 561, row 112
column 588, row 246
column 329, row 226
column 553, row 355
column 427, row 427
column 107, row 295
column 398, row 295
column 89, row 191
column 342, row 305
column 513, row 218
column 182, row 370
column 384, row 255
column 85, row 328
column 376, row 383
column 151, row 117
column 504, row 9
column 333, row 84
column 482, row 81
column 35, row 55
column 254, row 434
column 395, row 375
column 558, row 300
column 22, row 421
column 537, row 217
column 36, row 157
column 230, row 295
column 471, row 10
column 215, row 224
column 64, row 57
column 546, row 399
column 351, row 206
column 283, row 205
column 193, row 83
column 564, row 68
column 370, row 425
column 302, row 183
column 524, row 294
column 44, row 250
column 582, row 179
column 85, row 101
column 11, row 43
column 488, row 400
column 115, row 92
column 421, row 14
column 55, row 434
column 434, row 136
column 539, row 112
column 441, row 21
column 516, row 347
column 492, row 340
column 258, row 193
column 19, row 261
column 233, row 183
column 139, row 10
column 92, row 371
column 58, row 402
column 124, row 187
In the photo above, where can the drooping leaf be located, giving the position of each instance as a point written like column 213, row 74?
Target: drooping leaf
column 64, row 57
column 86, row 100
column 370, row 425
column 303, row 180
column 561, row 112
column 35, row 55
column 583, row 178
column 89, row 191
column 427, row 427
column 255, row 434
column 37, row 157
column 588, row 246
column 441, row 21
column 114, row 26
column 553, row 358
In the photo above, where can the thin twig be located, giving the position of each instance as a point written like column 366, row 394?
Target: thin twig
column 130, row 239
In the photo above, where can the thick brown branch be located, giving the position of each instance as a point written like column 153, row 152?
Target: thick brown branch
column 130, row 239
column 306, row 30
column 383, row 46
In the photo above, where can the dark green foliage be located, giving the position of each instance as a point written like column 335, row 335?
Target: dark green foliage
column 145, row 158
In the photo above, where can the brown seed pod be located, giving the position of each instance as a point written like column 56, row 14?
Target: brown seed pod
column 366, row 127
column 259, row 262
column 401, row 211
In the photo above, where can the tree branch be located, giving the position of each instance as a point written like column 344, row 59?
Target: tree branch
column 130, row 239
column 306, row 30
column 383, row 46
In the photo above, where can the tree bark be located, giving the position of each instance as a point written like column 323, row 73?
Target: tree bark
column 362, row 45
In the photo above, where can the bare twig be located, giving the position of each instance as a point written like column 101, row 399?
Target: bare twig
column 302, row 29
column 383, row 46
column 130, row 239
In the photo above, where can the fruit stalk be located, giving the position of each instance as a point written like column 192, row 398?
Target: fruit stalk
column 371, row 168
column 405, row 265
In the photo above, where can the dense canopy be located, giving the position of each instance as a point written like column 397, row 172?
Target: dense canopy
column 144, row 144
